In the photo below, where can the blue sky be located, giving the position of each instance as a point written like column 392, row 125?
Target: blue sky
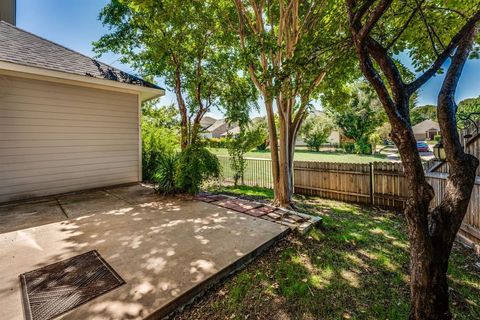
column 75, row 24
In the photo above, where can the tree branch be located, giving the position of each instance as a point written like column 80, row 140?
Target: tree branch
column 373, row 19
column 358, row 15
column 417, row 83
column 427, row 26
column 404, row 27
column 446, row 98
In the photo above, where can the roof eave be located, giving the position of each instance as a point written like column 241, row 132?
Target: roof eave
column 146, row 93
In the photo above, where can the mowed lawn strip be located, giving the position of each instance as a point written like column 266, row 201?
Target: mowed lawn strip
column 303, row 155
column 354, row 267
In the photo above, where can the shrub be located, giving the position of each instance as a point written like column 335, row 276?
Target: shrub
column 315, row 131
column 195, row 165
column 156, row 142
column 245, row 141
column 216, row 143
column 263, row 146
column 164, row 177
column 349, row 147
column 437, row 137
column 362, row 146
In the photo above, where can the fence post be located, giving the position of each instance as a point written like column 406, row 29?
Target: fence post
column 371, row 183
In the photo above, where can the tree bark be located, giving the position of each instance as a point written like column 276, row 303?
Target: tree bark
column 283, row 196
column 431, row 232
column 182, row 108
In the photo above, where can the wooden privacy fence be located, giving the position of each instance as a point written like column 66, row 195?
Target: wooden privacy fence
column 470, row 230
column 378, row 183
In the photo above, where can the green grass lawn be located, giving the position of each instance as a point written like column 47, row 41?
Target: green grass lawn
column 304, row 155
column 354, row 267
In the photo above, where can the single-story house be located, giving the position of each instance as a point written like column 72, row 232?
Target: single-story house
column 207, row 122
column 426, row 130
column 67, row 122
column 234, row 131
column 217, row 129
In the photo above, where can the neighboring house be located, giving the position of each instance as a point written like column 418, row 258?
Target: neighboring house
column 232, row 131
column 426, row 130
column 217, row 129
column 67, row 122
column 207, row 122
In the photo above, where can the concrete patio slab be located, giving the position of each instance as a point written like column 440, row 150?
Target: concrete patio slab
column 135, row 194
column 18, row 216
column 82, row 203
column 167, row 251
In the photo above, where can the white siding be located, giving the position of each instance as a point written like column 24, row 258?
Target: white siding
column 58, row 138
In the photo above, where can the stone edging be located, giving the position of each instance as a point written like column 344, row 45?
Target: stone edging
column 296, row 221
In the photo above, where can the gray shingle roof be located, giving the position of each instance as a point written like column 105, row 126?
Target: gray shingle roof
column 24, row 48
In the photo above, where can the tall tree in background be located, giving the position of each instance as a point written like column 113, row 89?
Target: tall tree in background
column 187, row 44
column 381, row 29
column 357, row 111
column 315, row 131
column 468, row 109
column 422, row 113
column 289, row 48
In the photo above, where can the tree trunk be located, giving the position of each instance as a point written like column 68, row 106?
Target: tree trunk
column 183, row 110
column 431, row 242
column 428, row 277
column 431, row 232
column 283, row 197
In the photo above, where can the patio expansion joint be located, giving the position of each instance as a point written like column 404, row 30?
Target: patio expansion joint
column 118, row 197
column 61, row 208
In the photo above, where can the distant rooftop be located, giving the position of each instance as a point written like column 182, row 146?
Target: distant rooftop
column 24, row 48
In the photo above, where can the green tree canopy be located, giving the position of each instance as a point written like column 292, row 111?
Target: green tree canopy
column 315, row 131
column 466, row 108
column 189, row 45
column 358, row 113
column 292, row 50
column 422, row 113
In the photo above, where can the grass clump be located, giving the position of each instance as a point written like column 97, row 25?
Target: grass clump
column 355, row 266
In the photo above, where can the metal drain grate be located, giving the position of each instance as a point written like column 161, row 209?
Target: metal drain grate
column 60, row 287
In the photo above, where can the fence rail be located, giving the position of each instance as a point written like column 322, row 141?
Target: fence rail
column 379, row 183
column 470, row 229
column 258, row 172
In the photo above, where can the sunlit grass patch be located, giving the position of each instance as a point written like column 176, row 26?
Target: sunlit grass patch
column 354, row 266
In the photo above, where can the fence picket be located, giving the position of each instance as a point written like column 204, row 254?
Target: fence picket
column 355, row 183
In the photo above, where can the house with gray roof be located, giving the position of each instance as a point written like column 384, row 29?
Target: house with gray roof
column 219, row 128
column 426, row 130
column 67, row 122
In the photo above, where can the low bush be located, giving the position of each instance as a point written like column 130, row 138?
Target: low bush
column 195, row 165
column 216, row 143
column 164, row 177
column 363, row 146
column 349, row 147
column 156, row 142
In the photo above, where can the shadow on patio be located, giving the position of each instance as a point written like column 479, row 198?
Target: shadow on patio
column 166, row 249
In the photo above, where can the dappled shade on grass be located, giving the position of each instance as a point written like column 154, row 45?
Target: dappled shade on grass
column 355, row 266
